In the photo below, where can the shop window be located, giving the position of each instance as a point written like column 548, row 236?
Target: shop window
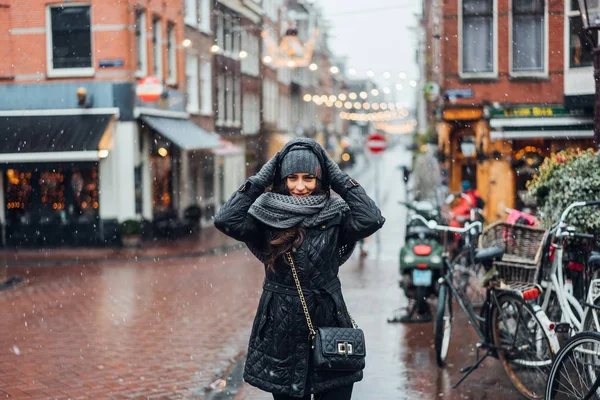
column 161, row 164
column 190, row 12
column 157, row 61
column 19, row 196
column 206, row 88
column 477, row 36
column 204, row 19
column 141, row 41
column 69, row 40
column 171, row 55
column 191, row 72
column 580, row 45
column 83, row 207
column 528, row 36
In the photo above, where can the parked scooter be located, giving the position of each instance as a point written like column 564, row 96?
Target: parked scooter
column 420, row 261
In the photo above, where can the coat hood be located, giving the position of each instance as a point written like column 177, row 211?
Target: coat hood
column 316, row 148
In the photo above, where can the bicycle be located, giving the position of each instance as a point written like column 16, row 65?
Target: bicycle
column 511, row 329
column 575, row 373
column 559, row 301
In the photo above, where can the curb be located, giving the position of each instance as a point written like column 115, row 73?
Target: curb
column 116, row 260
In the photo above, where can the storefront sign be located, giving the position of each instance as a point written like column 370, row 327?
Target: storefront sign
column 462, row 114
column 534, row 111
column 432, row 91
column 459, row 94
column 111, row 63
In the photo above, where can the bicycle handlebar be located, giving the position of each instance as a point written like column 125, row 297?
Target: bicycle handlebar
column 563, row 217
column 434, row 225
column 577, row 235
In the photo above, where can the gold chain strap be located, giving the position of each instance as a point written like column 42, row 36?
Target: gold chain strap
column 311, row 329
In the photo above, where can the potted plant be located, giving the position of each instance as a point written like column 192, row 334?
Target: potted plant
column 131, row 233
column 565, row 177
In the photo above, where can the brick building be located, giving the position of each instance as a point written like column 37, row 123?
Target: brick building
column 81, row 152
column 513, row 75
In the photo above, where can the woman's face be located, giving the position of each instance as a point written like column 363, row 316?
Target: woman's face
column 301, row 184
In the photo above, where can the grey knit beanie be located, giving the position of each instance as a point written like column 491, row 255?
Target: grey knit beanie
column 298, row 160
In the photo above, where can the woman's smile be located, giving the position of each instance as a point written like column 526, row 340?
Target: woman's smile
column 301, row 184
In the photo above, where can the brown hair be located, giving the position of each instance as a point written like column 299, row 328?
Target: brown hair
column 284, row 240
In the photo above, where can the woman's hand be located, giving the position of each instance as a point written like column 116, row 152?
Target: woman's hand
column 266, row 175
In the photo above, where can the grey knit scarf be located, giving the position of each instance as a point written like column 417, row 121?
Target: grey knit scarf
column 283, row 211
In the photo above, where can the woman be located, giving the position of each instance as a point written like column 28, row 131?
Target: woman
column 299, row 215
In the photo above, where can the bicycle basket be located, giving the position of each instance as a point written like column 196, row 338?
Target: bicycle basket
column 516, row 272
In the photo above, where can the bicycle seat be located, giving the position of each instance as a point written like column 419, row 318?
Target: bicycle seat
column 594, row 260
column 488, row 254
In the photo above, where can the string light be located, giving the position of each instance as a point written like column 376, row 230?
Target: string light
column 313, row 67
column 399, row 86
column 387, row 75
column 342, row 97
column 370, row 73
column 386, row 90
column 352, row 96
column 375, row 92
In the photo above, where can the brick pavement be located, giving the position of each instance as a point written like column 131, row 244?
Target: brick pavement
column 126, row 329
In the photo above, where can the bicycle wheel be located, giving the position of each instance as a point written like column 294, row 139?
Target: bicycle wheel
column 469, row 277
column 443, row 324
column 576, row 370
column 524, row 347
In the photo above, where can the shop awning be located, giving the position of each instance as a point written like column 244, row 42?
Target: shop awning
column 541, row 128
column 545, row 134
column 44, row 138
column 182, row 132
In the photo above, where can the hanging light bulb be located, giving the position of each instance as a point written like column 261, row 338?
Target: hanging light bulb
column 352, row 96
column 363, row 95
column 375, row 92
column 348, row 105
column 214, row 48
column 243, row 54
column 315, row 98
column 338, row 104
column 334, row 69
column 307, row 97
column 386, row 90
column 402, row 75
column 342, row 96
column 413, row 83
column 366, row 106
column 332, row 98
column 186, row 43
column 313, row 67
column 267, row 59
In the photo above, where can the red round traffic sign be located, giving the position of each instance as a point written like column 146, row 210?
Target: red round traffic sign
column 376, row 142
column 149, row 89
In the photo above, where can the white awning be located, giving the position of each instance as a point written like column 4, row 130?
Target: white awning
column 529, row 122
column 243, row 10
column 183, row 133
column 522, row 134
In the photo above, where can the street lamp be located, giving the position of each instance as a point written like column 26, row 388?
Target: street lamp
column 590, row 14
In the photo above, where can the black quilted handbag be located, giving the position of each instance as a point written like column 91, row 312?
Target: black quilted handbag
column 334, row 349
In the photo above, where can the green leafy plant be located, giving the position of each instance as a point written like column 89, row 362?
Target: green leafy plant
column 565, row 177
column 130, row 227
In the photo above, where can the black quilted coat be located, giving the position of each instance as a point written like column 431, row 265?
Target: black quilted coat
column 278, row 351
